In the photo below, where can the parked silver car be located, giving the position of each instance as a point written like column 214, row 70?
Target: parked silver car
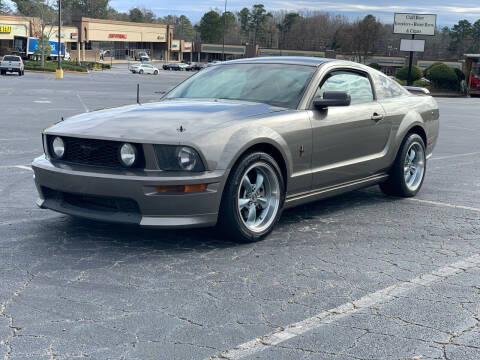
column 238, row 142
column 143, row 68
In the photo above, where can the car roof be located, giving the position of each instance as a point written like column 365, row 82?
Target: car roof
column 291, row 60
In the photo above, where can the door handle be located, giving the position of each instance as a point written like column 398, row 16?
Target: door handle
column 377, row 117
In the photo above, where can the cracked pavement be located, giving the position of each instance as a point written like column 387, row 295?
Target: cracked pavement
column 73, row 288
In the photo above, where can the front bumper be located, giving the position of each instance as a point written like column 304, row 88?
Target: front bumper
column 129, row 196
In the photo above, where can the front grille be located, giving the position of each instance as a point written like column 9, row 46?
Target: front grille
column 95, row 152
column 93, row 202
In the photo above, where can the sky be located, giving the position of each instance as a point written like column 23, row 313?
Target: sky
column 448, row 11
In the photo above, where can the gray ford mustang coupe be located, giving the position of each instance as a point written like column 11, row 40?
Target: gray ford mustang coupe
column 238, row 142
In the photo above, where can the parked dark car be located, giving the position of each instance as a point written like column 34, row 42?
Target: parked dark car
column 194, row 66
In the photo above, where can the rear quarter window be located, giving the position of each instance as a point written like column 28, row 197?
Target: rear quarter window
column 387, row 88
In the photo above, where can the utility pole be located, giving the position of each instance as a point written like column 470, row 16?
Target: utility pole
column 224, row 29
column 410, row 63
column 59, row 72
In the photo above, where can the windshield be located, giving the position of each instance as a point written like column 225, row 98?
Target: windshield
column 11, row 58
column 274, row 84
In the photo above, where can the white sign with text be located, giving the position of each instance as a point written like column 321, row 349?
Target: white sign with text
column 412, row 45
column 415, row 24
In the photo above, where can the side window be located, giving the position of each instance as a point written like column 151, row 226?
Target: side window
column 356, row 84
column 387, row 88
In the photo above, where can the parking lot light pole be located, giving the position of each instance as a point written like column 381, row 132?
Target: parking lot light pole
column 59, row 72
column 224, row 29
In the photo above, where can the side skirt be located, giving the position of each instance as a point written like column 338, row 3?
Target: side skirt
column 318, row 194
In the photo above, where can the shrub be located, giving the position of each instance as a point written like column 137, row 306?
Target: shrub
column 51, row 66
column 460, row 74
column 402, row 74
column 443, row 77
column 421, row 83
column 375, row 66
column 95, row 65
column 425, row 72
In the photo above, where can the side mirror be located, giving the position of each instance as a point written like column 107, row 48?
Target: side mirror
column 332, row 98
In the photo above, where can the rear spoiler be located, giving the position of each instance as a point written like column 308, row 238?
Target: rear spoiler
column 417, row 90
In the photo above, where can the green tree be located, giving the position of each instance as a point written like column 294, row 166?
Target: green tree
column 460, row 35
column 113, row 14
column 286, row 25
column 375, row 66
column 258, row 21
column 367, row 34
column 211, row 27
column 476, row 34
column 183, row 28
column 402, row 74
column 98, row 9
column 43, row 47
column 136, row 15
column 244, row 17
column 45, row 11
column 4, row 9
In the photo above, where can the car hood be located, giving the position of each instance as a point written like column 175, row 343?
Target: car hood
column 162, row 122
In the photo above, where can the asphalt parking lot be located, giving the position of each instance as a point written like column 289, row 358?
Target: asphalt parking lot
column 360, row 276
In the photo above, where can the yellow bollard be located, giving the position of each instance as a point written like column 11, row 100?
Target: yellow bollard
column 59, row 73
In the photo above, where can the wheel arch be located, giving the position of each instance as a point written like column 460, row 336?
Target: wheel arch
column 268, row 147
column 273, row 152
column 412, row 122
column 417, row 129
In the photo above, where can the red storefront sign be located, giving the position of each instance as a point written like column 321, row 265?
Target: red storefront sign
column 117, row 36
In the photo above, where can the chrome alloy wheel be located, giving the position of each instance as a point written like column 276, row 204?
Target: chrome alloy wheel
column 414, row 166
column 258, row 197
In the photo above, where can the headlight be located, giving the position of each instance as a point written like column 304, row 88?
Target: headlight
column 128, row 154
column 187, row 158
column 178, row 158
column 58, row 147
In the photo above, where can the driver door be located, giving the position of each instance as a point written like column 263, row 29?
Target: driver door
column 347, row 140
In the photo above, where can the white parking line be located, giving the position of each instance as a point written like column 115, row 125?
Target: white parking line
column 381, row 296
column 438, row 203
column 454, row 156
column 23, row 167
column 81, row 102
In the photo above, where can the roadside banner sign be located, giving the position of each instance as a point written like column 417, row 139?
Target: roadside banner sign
column 412, row 45
column 415, row 24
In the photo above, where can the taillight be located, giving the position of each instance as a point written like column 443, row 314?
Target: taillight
column 474, row 82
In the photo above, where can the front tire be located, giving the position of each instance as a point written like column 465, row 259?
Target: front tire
column 408, row 170
column 253, row 198
column 140, row 72
column 155, row 72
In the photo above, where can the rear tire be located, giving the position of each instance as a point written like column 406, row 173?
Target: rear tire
column 253, row 198
column 408, row 170
column 140, row 72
